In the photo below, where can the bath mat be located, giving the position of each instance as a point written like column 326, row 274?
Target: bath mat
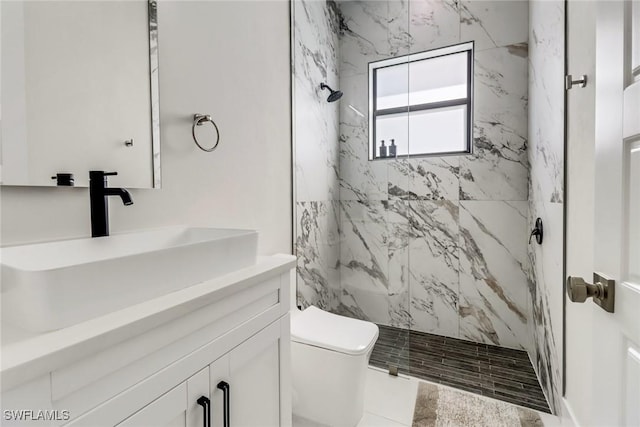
column 438, row 406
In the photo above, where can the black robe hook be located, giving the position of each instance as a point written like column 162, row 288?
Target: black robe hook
column 537, row 231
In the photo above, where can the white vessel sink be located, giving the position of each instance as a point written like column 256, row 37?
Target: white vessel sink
column 53, row 285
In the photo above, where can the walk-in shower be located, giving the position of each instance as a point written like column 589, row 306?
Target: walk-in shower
column 431, row 248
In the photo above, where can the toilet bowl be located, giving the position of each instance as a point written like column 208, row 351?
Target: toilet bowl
column 329, row 359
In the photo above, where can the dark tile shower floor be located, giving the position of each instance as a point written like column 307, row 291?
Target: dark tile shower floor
column 496, row 372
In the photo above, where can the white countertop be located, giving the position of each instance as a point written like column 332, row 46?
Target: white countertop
column 26, row 355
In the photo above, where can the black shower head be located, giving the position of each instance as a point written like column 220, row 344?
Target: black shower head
column 334, row 95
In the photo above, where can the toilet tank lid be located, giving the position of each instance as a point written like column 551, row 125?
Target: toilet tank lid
column 337, row 333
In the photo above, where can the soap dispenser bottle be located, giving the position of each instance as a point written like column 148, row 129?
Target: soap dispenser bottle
column 392, row 148
column 383, row 149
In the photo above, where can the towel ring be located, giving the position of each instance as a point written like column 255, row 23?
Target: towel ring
column 199, row 120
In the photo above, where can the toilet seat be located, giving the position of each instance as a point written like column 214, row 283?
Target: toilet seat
column 330, row 331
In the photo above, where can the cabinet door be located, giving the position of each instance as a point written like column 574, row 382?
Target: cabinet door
column 169, row 410
column 254, row 379
column 176, row 408
column 218, row 371
column 197, row 387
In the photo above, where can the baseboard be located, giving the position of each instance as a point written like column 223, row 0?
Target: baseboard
column 568, row 416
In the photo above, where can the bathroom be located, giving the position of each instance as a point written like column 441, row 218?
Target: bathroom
column 253, row 205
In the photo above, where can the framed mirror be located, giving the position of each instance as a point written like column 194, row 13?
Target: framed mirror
column 79, row 92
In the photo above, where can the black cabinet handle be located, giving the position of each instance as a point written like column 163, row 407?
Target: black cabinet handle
column 224, row 386
column 206, row 409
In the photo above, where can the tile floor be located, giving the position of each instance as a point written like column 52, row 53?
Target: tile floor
column 389, row 401
column 491, row 371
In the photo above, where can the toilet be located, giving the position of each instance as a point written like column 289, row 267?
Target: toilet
column 329, row 359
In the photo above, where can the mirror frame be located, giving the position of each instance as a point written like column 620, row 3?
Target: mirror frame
column 154, row 93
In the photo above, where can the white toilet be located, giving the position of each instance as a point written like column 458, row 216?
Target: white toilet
column 329, row 358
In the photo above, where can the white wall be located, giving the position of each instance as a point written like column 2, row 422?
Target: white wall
column 228, row 59
column 580, row 207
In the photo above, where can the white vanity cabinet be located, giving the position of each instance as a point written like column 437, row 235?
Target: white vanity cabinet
column 249, row 375
column 236, row 334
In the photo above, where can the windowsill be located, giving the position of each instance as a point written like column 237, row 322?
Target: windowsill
column 423, row 156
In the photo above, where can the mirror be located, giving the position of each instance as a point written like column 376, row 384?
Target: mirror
column 79, row 92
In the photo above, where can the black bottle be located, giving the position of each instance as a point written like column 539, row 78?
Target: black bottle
column 383, row 149
column 392, row 148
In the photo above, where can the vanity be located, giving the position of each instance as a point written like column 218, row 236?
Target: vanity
column 183, row 349
column 180, row 326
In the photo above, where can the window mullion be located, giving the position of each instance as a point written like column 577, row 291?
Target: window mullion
column 420, row 107
column 440, row 104
column 388, row 111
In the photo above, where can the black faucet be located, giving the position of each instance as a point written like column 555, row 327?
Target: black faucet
column 98, row 192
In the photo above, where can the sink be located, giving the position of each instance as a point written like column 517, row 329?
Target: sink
column 49, row 286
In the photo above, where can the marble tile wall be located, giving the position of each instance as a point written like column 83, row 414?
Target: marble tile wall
column 318, row 253
column 546, row 158
column 316, row 126
column 438, row 244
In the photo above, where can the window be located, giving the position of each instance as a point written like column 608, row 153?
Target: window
column 421, row 104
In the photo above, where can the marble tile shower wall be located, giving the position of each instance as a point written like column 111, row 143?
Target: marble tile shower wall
column 546, row 157
column 316, row 126
column 438, row 244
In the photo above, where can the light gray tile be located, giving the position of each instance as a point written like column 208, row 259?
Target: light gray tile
column 493, row 281
column 546, row 117
column 364, row 35
column 316, row 121
column 360, row 179
column 434, row 266
column 546, row 196
column 498, row 168
column 494, row 23
column 317, row 251
column 434, row 178
column 433, row 24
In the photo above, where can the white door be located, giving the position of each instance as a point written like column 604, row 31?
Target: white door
column 613, row 397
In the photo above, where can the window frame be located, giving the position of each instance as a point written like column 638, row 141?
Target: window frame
column 374, row 66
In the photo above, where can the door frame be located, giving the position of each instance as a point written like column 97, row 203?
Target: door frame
column 565, row 193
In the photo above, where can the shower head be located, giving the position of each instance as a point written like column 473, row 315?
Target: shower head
column 334, row 95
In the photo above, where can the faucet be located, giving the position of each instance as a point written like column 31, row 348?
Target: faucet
column 98, row 192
